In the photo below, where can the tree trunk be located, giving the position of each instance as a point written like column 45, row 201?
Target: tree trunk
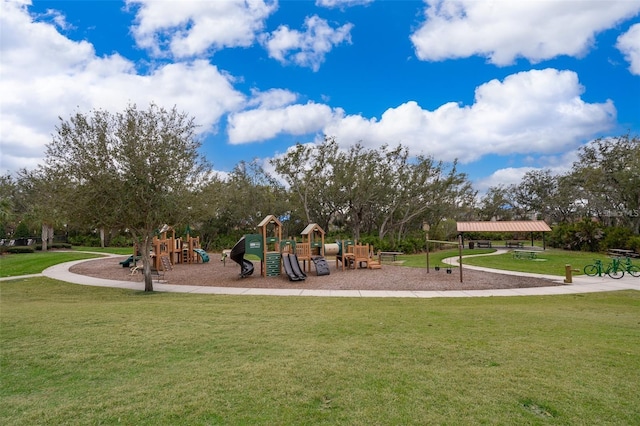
column 50, row 235
column 44, row 236
column 146, row 265
column 102, row 237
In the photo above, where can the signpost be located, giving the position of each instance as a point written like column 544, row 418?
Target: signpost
column 425, row 228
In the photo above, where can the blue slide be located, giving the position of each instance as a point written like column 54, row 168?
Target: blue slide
column 203, row 254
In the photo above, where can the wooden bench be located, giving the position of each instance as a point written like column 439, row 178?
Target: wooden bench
column 525, row 254
column 483, row 244
column 516, row 244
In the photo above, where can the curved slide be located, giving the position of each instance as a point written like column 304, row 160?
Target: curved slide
column 237, row 255
column 322, row 268
column 203, row 254
column 292, row 267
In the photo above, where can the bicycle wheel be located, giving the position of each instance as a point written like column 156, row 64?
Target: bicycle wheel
column 615, row 273
column 634, row 271
column 591, row 270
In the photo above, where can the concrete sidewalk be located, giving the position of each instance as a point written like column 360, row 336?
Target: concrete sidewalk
column 581, row 284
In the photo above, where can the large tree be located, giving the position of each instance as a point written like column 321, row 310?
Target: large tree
column 135, row 169
column 38, row 195
column 607, row 176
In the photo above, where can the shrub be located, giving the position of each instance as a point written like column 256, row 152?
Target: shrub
column 20, row 249
column 85, row 240
column 22, row 231
column 634, row 244
column 121, row 241
column 616, row 237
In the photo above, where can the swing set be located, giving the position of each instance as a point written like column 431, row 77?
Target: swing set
column 458, row 243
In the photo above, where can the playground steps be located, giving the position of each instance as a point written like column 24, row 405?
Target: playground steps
column 374, row 264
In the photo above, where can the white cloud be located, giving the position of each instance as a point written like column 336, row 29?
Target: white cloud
column 507, row 176
column 263, row 123
column 529, row 112
column 308, row 48
column 342, row 3
column 191, row 28
column 273, row 98
column 504, row 30
column 629, row 44
column 557, row 164
column 46, row 75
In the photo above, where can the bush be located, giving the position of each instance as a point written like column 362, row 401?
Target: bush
column 616, row 237
column 59, row 246
column 121, row 241
column 20, row 249
column 634, row 244
column 22, row 231
column 85, row 240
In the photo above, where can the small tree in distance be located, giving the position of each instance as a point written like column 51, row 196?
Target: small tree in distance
column 134, row 169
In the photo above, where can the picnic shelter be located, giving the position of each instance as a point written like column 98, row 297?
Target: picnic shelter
column 515, row 226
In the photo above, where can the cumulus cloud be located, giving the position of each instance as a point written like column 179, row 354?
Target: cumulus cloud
column 265, row 123
column 507, row 176
column 538, row 111
column 308, row 48
column 629, row 44
column 504, row 30
column 191, row 28
column 273, row 98
column 46, row 75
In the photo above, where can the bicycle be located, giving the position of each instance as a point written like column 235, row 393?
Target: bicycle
column 595, row 269
column 615, row 269
column 631, row 268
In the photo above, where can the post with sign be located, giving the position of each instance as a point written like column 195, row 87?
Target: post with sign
column 425, row 228
column 460, row 247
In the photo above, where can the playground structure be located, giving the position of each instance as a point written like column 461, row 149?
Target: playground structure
column 276, row 254
column 312, row 244
column 352, row 255
column 177, row 250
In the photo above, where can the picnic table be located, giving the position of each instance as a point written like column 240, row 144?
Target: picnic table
column 483, row 244
column 510, row 244
column 525, row 254
column 622, row 253
column 389, row 254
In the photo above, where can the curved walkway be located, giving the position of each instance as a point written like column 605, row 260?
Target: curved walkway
column 581, row 284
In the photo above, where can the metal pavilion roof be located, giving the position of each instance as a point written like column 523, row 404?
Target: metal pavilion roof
column 510, row 226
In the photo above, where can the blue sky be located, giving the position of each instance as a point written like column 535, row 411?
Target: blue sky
column 504, row 87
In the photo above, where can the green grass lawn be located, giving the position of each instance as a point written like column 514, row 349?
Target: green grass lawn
column 82, row 355
column 34, row 263
column 112, row 250
column 549, row 261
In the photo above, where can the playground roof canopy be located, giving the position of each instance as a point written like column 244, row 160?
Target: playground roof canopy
column 312, row 227
column 504, row 226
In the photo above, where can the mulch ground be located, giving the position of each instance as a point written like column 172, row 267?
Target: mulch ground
column 391, row 277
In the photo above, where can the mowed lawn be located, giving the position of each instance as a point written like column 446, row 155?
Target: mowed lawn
column 81, row 355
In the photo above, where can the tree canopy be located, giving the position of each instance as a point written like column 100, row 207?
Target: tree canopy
column 135, row 169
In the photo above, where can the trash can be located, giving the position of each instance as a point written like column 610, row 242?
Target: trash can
column 471, row 244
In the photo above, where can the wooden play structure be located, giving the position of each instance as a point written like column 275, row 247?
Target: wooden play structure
column 312, row 244
column 276, row 254
column 271, row 231
column 352, row 255
column 176, row 250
